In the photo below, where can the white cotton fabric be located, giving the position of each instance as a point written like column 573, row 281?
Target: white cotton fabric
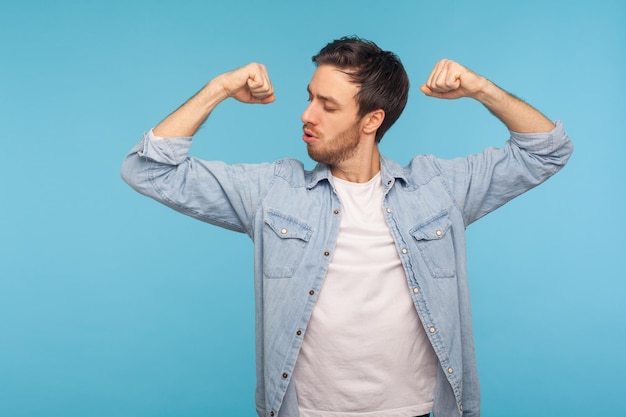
column 365, row 352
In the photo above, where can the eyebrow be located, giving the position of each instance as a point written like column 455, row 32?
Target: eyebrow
column 327, row 99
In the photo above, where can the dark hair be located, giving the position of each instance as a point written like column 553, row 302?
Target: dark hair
column 383, row 81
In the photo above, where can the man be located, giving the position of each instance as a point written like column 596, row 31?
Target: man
column 362, row 303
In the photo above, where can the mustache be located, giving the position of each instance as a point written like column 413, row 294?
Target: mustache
column 311, row 129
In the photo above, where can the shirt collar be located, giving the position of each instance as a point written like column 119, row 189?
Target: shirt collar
column 390, row 171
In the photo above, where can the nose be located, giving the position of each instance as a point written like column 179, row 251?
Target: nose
column 308, row 116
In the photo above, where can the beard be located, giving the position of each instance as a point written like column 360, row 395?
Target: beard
column 340, row 148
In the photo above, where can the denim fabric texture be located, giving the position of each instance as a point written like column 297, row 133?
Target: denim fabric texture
column 293, row 217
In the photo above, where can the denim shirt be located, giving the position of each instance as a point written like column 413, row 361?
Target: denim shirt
column 293, row 217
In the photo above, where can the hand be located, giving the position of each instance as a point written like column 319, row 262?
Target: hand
column 450, row 80
column 248, row 84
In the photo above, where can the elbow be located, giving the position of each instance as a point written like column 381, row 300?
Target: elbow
column 132, row 172
column 560, row 157
column 559, row 151
column 563, row 144
column 566, row 151
column 126, row 172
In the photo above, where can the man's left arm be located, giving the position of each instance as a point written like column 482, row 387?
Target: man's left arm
column 451, row 80
column 536, row 150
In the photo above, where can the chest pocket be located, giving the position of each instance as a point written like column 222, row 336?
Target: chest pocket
column 285, row 239
column 434, row 241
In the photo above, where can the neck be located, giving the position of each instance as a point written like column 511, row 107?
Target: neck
column 360, row 168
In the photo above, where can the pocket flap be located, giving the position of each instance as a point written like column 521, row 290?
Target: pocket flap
column 433, row 229
column 287, row 227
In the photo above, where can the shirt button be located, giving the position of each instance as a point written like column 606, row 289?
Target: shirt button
column 450, row 370
column 432, row 330
column 283, row 231
column 272, row 414
column 404, row 251
column 389, row 182
column 285, row 375
column 438, row 233
column 299, row 332
column 416, row 290
column 326, row 253
column 311, row 292
column 388, row 210
column 336, row 211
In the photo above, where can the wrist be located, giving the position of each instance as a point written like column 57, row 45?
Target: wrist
column 214, row 92
column 488, row 93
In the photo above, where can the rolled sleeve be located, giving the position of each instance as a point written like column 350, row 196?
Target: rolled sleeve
column 210, row 191
column 172, row 151
column 555, row 143
column 481, row 183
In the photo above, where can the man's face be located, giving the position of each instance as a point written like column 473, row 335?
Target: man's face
column 331, row 124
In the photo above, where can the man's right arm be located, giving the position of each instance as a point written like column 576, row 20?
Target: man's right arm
column 211, row 191
column 249, row 84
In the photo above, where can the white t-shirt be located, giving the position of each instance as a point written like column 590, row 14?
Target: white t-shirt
column 365, row 352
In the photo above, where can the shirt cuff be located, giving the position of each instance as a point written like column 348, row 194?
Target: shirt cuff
column 542, row 143
column 170, row 151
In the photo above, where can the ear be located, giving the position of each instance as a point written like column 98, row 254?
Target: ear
column 372, row 121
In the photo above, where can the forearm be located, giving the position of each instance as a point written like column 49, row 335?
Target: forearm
column 450, row 80
column 187, row 119
column 516, row 114
column 248, row 84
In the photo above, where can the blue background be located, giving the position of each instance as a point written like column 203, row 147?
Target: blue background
column 112, row 305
